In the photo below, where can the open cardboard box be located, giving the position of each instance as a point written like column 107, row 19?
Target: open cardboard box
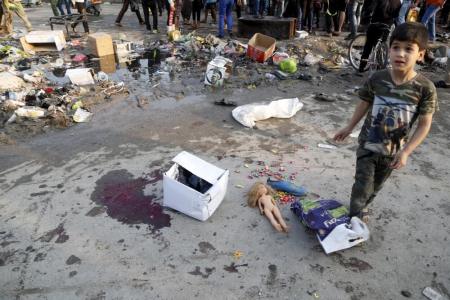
column 43, row 41
column 261, row 47
column 187, row 200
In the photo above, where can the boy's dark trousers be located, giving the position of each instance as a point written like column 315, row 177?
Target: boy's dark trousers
column 372, row 170
column 146, row 4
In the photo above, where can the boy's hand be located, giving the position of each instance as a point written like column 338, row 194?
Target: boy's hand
column 342, row 134
column 400, row 160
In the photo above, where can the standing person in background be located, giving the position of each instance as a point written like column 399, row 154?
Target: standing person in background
column 238, row 6
column 54, row 7
column 65, row 3
column 307, row 15
column 444, row 13
column 384, row 14
column 81, row 8
column 331, row 17
column 342, row 7
column 354, row 9
column 429, row 17
column 173, row 13
column 317, row 8
column 196, row 12
column 406, row 6
column 225, row 10
column 186, row 11
column 210, row 6
column 293, row 9
column 146, row 4
column 278, row 8
column 260, row 6
column 134, row 6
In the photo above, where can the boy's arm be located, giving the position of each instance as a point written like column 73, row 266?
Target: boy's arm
column 360, row 111
column 417, row 138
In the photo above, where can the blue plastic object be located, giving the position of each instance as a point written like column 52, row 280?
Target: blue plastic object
column 288, row 187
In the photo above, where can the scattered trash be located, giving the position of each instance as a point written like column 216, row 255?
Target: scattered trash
column 311, row 59
column 279, row 57
column 335, row 230
column 81, row 76
column 100, row 44
column 224, row 102
column 301, row 34
column 406, row 294
column 81, row 115
column 326, row 146
column 261, row 47
column 238, row 254
column 40, row 41
column 325, row 97
column 432, row 294
column 355, row 134
column 30, row 112
column 270, row 76
column 288, row 65
column 248, row 114
column 218, row 70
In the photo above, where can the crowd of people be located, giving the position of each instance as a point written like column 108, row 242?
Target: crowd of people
column 309, row 13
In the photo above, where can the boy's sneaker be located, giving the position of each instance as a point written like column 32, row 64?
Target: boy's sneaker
column 286, row 186
column 230, row 34
column 155, row 31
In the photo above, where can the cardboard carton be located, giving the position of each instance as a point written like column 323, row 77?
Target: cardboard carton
column 261, row 47
column 40, row 41
column 100, row 44
column 187, row 200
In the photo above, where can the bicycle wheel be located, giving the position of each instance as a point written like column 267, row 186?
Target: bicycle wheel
column 355, row 50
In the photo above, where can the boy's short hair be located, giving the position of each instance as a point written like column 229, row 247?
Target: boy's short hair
column 411, row 32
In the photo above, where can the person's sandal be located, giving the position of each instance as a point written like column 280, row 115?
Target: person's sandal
column 364, row 215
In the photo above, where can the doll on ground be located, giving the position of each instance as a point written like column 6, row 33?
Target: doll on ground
column 261, row 195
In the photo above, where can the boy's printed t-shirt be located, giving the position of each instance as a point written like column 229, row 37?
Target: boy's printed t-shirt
column 390, row 118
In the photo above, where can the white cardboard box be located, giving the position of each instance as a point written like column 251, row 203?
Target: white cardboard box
column 45, row 40
column 187, row 200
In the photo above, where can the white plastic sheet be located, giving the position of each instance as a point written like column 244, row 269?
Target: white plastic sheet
column 248, row 114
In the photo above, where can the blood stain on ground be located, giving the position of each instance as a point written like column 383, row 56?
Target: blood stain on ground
column 124, row 199
column 233, row 268
column 58, row 231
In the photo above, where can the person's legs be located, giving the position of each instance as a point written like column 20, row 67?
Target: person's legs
column 145, row 6
column 373, row 34
column 154, row 10
column 352, row 17
column 122, row 11
column 256, row 7
column 403, row 11
column 363, row 188
column 382, row 172
column 59, row 5
column 357, row 14
column 342, row 8
column 238, row 10
column 68, row 4
column 222, row 11
column 229, row 14
column 54, row 6
column 138, row 15
column 20, row 12
column 428, row 20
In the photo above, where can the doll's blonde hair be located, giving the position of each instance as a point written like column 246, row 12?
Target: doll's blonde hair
column 253, row 195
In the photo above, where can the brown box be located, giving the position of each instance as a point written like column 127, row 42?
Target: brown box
column 261, row 47
column 100, row 44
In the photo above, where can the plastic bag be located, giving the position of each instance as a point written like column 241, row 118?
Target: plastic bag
column 248, row 114
column 334, row 228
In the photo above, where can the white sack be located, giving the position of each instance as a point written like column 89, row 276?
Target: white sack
column 248, row 114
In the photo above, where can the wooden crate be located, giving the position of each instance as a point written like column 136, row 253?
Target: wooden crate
column 278, row 28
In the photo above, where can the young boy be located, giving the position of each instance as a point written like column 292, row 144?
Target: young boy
column 392, row 99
